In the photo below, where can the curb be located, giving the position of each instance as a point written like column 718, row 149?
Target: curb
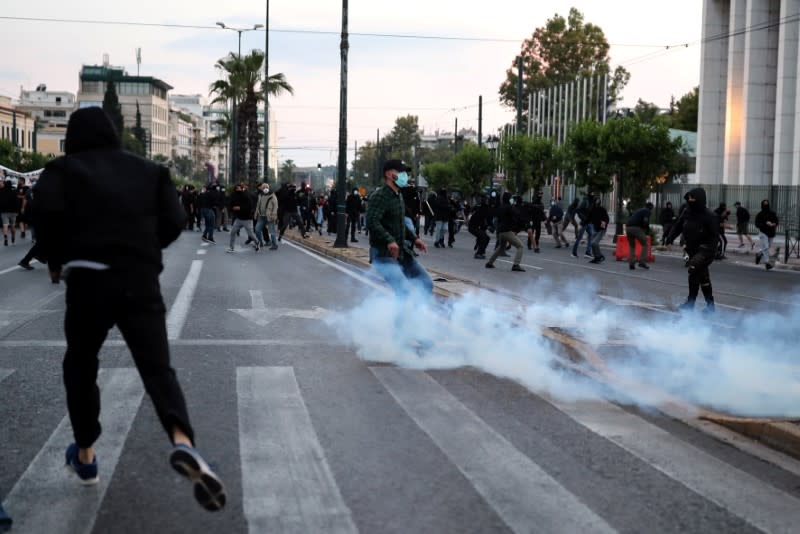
column 779, row 434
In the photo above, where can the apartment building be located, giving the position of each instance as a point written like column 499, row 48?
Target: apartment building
column 17, row 126
column 51, row 110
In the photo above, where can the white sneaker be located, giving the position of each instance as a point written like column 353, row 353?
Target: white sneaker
column 229, row 250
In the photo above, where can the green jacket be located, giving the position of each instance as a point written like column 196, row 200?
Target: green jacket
column 385, row 222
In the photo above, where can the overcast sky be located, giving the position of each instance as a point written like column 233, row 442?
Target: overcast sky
column 438, row 80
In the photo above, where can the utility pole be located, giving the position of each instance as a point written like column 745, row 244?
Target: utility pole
column 266, row 97
column 480, row 120
column 455, row 137
column 341, row 222
column 518, row 177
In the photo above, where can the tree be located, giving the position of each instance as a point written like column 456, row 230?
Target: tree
column 441, row 176
column 112, row 108
column 139, row 134
column 402, row 141
column 684, row 112
column 365, row 166
column 472, row 165
column 582, row 155
column 545, row 158
column 184, row 166
column 560, row 52
column 287, row 171
column 242, row 83
column 14, row 158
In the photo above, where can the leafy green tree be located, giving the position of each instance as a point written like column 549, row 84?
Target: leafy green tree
column 402, row 141
column 545, row 158
column 112, row 107
column 473, row 166
column 365, row 166
column 441, row 176
column 559, row 52
column 14, row 158
column 184, row 166
column 685, row 111
column 139, row 133
column 582, row 155
column 287, row 171
column 648, row 112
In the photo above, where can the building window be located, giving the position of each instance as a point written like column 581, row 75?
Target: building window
column 59, row 113
column 90, row 87
column 58, row 100
column 61, row 145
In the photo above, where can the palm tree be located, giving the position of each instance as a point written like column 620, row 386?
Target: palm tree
column 241, row 76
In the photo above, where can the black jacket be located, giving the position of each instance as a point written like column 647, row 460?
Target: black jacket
column 245, row 203
column 352, row 206
column 667, row 216
column 640, row 218
column 598, row 217
column 742, row 215
column 699, row 225
column 478, row 221
column 102, row 204
column 764, row 216
column 8, row 199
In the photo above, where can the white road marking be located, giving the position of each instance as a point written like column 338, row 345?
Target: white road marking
column 202, row 252
column 524, row 265
column 287, row 484
column 180, row 308
column 211, row 342
column 636, row 303
column 728, row 306
column 48, row 498
column 5, row 373
column 348, row 272
column 257, row 299
column 758, row 503
column 522, row 493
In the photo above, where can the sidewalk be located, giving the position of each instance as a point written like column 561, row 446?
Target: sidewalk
column 780, row 434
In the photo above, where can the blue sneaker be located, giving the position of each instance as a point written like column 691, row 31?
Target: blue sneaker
column 87, row 473
column 208, row 488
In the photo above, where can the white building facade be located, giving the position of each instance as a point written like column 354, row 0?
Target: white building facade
column 749, row 116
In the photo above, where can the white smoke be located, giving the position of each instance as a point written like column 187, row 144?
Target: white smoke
column 746, row 370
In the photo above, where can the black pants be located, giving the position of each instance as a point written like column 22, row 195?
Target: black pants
column 352, row 223
column 699, row 277
column 96, row 301
column 481, row 240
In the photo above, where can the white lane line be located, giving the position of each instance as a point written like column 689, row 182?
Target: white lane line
column 286, row 481
column 257, row 299
column 47, row 498
column 54, row 343
column 202, row 252
column 524, row 265
column 5, row 373
column 728, row 306
column 348, row 272
column 758, row 503
column 524, row 495
column 180, row 308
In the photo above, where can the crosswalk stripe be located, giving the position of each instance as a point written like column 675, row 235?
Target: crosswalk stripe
column 49, row 499
column 180, row 307
column 286, row 481
column 523, row 494
column 758, row 503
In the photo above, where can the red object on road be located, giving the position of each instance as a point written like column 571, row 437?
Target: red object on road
column 621, row 252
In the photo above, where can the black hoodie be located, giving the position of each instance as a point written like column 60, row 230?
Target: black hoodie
column 764, row 216
column 102, row 204
column 699, row 225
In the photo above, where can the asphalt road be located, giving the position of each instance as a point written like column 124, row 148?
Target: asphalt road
column 310, row 437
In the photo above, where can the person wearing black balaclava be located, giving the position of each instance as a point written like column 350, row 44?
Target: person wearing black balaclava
column 700, row 228
column 767, row 223
column 102, row 217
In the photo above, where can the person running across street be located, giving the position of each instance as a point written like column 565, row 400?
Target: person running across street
column 242, row 208
column 767, row 223
column 636, row 229
column 103, row 216
column 508, row 224
column 267, row 214
column 666, row 218
column 8, row 210
column 742, row 221
column 556, row 217
column 389, row 235
column 700, row 229
column 598, row 218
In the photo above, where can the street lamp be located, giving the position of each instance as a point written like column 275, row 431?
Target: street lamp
column 234, row 155
column 491, row 143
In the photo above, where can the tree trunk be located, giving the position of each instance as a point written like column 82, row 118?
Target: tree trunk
column 241, row 140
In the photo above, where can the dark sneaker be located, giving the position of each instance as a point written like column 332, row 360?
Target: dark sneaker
column 5, row 241
column 631, row 266
column 256, row 247
column 208, row 488
column 480, row 256
column 518, row 269
column 22, row 234
column 211, row 240
column 490, row 265
column 758, row 257
column 566, row 245
column 643, row 265
column 686, row 306
column 596, row 260
column 230, row 250
column 248, row 241
column 588, row 255
column 709, row 309
column 354, row 240
column 768, row 266
column 26, row 266
column 558, row 246
column 206, row 239
column 87, row 473
column 273, row 247
column 536, row 250
column 573, row 254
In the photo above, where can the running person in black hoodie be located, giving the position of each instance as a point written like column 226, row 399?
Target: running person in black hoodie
column 104, row 215
column 242, row 208
column 767, row 223
column 700, row 229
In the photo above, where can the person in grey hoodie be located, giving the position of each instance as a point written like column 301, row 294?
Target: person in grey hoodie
column 267, row 215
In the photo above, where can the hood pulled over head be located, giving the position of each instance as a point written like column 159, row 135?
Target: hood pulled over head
column 699, row 196
column 90, row 129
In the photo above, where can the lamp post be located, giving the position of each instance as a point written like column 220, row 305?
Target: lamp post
column 234, row 152
column 491, row 143
column 341, row 182
column 266, row 97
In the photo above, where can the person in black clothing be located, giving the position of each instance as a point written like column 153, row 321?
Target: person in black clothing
column 8, row 210
column 722, row 213
column 353, row 209
column 767, row 223
column 287, row 203
column 509, row 222
column 477, row 225
column 742, row 220
column 598, row 218
column 700, row 229
column 412, row 203
column 205, row 204
column 430, row 214
column 188, row 201
column 331, row 207
column 102, row 217
column 536, row 217
column 666, row 219
column 241, row 206
column 452, row 214
column 637, row 229
column 441, row 213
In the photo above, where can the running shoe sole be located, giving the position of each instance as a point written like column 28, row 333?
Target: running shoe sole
column 208, row 489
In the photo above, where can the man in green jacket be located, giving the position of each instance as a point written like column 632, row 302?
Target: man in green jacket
column 390, row 236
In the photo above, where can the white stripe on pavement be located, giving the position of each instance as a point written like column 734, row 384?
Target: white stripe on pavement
column 758, row 503
column 5, row 373
column 257, row 299
column 202, row 252
column 523, row 265
column 286, row 482
column 48, row 498
column 287, row 342
column 346, row 271
column 180, row 308
column 524, row 495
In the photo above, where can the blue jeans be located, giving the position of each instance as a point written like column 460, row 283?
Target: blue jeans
column 589, row 229
column 403, row 276
column 210, row 220
column 441, row 228
column 260, row 224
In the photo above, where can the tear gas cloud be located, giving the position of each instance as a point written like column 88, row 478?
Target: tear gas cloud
column 746, row 366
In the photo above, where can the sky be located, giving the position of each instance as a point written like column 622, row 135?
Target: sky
column 439, row 80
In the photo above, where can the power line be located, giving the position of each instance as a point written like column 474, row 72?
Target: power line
column 294, row 31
